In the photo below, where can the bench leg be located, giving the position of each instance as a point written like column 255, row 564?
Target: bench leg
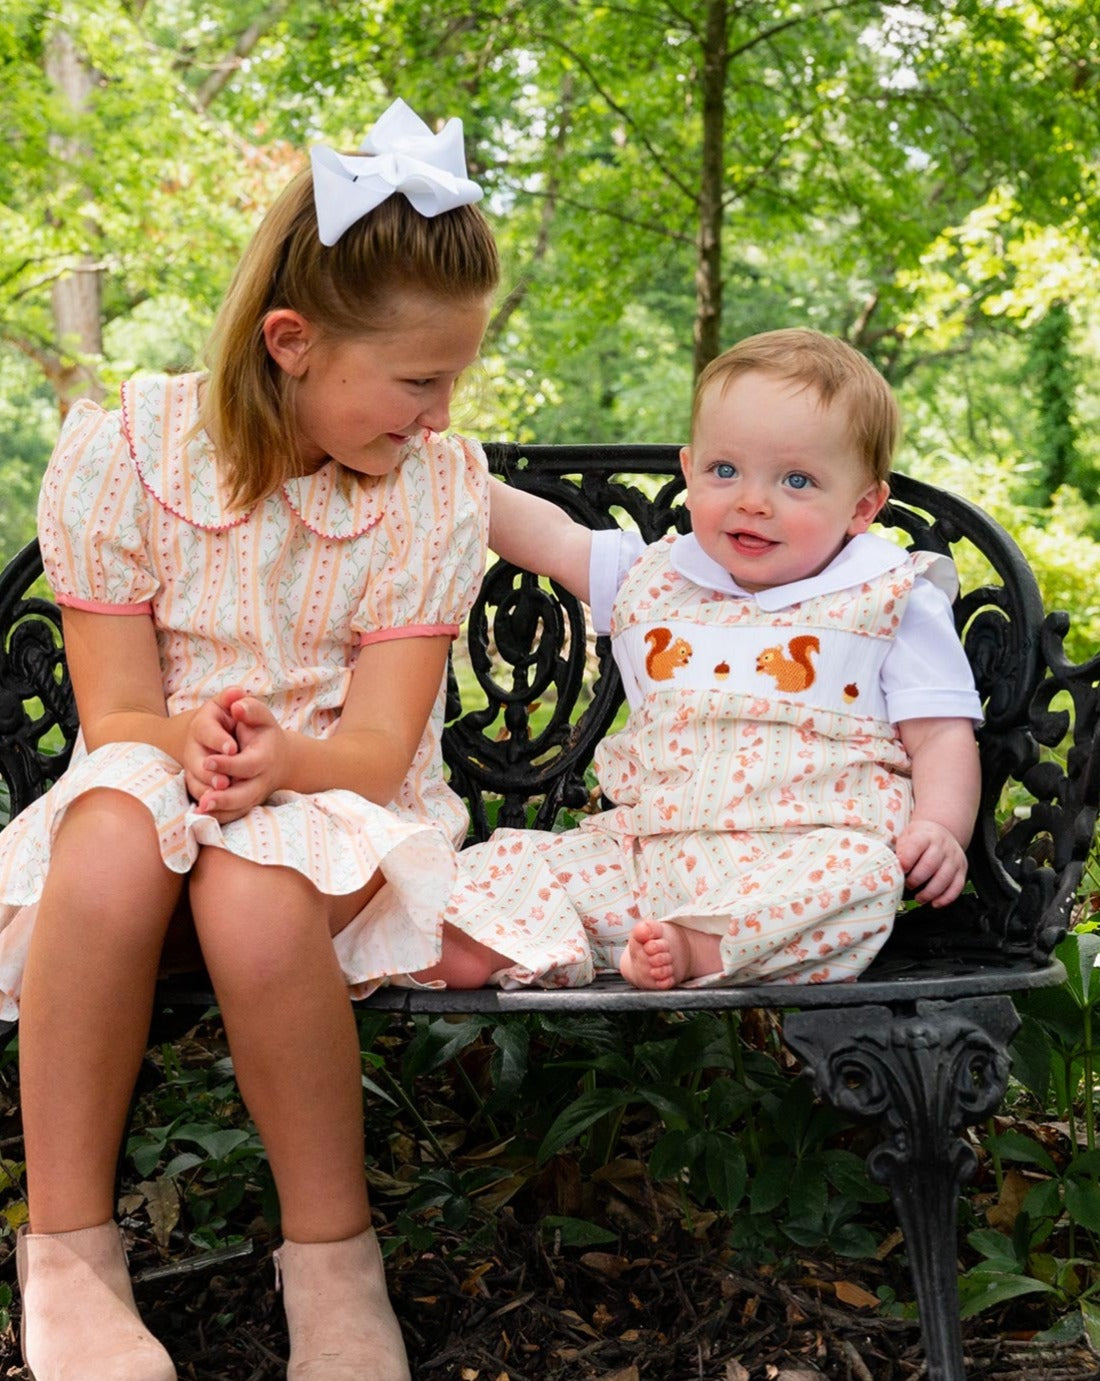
column 925, row 1074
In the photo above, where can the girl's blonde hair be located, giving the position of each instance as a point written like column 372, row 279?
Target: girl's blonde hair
column 833, row 369
column 248, row 401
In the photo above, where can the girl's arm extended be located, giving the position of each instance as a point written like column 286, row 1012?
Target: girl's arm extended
column 393, row 689
column 538, row 536
column 946, row 789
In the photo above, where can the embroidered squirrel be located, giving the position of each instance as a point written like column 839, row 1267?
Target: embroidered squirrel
column 793, row 673
column 665, row 654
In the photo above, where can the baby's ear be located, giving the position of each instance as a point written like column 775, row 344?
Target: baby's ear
column 868, row 506
column 288, row 336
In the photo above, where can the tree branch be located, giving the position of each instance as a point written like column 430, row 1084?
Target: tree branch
column 220, row 77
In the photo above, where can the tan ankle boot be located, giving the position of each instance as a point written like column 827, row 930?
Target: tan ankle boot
column 80, row 1322
column 342, row 1325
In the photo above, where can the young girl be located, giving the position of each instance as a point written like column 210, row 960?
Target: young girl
column 800, row 744
column 260, row 571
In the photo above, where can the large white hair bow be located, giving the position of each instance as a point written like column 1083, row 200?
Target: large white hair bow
column 400, row 154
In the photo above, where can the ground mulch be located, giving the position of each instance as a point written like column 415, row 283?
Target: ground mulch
column 666, row 1301
column 664, row 1310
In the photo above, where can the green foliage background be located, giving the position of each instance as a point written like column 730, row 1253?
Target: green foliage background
column 919, row 177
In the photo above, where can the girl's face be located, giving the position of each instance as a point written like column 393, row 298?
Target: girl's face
column 359, row 400
column 774, row 483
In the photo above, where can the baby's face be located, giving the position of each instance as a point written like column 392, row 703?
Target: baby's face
column 774, row 483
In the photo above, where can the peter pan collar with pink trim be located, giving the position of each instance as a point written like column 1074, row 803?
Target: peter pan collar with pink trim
column 862, row 558
column 177, row 465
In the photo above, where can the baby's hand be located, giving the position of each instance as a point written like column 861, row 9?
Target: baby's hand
column 933, row 861
column 211, row 732
column 246, row 777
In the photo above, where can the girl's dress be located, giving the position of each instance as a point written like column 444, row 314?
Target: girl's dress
column 760, row 782
column 277, row 599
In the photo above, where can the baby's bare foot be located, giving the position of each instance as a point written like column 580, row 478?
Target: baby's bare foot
column 657, row 955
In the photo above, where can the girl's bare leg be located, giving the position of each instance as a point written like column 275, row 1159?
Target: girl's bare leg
column 86, row 1004
column 266, row 936
column 265, row 933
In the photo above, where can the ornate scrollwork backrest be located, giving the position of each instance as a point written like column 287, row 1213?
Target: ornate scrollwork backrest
column 38, row 722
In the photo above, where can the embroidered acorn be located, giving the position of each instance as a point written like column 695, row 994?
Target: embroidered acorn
column 851, row 691
column 721, row 671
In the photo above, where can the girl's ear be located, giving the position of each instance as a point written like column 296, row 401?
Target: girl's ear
column 288, row 336
column 868, row 506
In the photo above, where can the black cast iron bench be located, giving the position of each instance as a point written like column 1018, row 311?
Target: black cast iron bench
column 920, row 1042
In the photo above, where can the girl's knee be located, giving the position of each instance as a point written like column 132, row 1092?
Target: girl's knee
column 107, row 841
column 105, row 818
column 222, row 884
column 255, row 924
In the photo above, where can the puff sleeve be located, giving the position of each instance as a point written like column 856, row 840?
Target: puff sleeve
column 430, row 546
column 93, row 517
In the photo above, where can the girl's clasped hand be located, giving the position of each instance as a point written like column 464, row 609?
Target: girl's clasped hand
column 234, row 756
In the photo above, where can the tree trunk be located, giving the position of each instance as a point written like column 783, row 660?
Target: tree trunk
column 708, row 268
column 77, row 293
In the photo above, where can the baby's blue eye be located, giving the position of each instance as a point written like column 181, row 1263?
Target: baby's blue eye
column 724, row 470
column 799, row 481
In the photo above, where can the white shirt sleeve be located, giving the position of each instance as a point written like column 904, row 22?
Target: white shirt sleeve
column 926, row 674
column 614, row 550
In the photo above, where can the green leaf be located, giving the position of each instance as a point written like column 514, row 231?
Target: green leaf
column 848, row 1174
column 186, row 1160
column 1068, row 1329
column 217, row 1143
column 1083, row 1203
column 770, row 1185
column 1084, row 1164
column 672, row 1154
column 996, row 1247
column 576, row 1232
column 1058, row 1012
column 727, row 1172
column 1079, row 954
column 581, row 1114
column 1030, row 1052
column 1090, row 1315
column 1012, row 1145
column 979, row 1290
column 809, row 1192
column 1044, row 1200
column 145, row 1159
column 804, row 1232
column 677, row 1106
column 513, row 1041
column 853, row 1241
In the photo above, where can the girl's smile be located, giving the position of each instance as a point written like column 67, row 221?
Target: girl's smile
column 359, row 400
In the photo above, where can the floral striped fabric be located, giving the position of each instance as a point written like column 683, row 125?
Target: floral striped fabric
column 277, row 599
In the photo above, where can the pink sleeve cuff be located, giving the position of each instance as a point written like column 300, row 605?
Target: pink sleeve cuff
column 411, row 630
column 95, row 606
